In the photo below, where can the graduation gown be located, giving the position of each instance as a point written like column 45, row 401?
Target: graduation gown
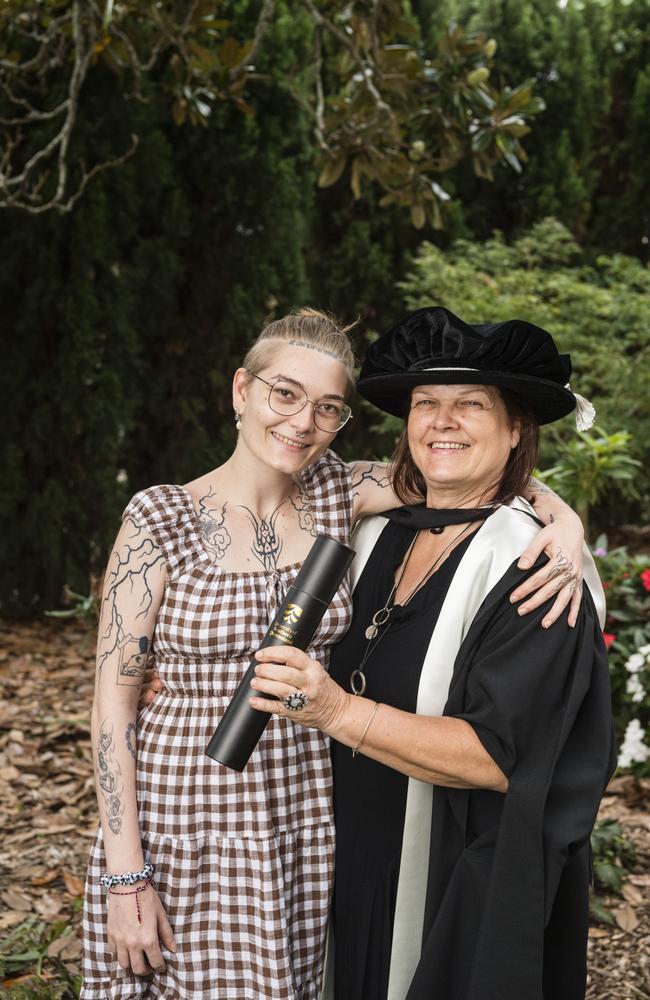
column 492, row 899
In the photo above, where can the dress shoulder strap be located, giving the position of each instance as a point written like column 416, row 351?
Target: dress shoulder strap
column 326, row 488
column 167, row 513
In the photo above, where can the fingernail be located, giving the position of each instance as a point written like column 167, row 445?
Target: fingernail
column 546, row 624
column 514, row 598
column 522, row 611
column 523, row 563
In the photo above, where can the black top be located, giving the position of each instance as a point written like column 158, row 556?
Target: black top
column 370, row 798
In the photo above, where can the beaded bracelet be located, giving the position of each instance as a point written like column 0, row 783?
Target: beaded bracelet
column 134, row 892
column 108, row 881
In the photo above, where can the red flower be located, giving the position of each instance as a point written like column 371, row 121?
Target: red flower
column 609, row 638
column 645, row 579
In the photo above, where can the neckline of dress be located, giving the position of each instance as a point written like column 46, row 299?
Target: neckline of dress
column 206, row 557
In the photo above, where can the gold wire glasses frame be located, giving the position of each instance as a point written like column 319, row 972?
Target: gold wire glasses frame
column 287, row 398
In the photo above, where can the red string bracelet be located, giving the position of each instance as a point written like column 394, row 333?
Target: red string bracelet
column 134, row 892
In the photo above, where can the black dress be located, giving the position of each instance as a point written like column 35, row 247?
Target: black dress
column 370, row 798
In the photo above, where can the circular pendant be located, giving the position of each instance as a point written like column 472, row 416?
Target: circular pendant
column 371, row 632
column 381, row 617
column 358, row 682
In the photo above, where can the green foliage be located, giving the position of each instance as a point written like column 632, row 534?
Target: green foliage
column 379, row 106
column 25, row 950
column 125, row 319
column 612, row 854
column 626, row 579
column 588, row 465
column 599, row 313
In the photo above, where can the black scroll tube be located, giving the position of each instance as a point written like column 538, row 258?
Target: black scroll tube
column 297, row 619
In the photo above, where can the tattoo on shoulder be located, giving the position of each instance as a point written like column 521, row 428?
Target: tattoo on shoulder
column 374, row 472
column 302, row 505
column 133, row 659
column 212, row 525
column 130, row 736
column 109, row 777
column 129, row 575
column 267, row 544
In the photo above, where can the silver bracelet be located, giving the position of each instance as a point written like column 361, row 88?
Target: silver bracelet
column 108, row 881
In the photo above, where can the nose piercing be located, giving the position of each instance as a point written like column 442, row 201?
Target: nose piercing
column 300, row 434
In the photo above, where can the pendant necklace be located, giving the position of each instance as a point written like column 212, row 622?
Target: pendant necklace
column 382, row 616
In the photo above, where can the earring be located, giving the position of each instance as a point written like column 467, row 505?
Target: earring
column 237, row 421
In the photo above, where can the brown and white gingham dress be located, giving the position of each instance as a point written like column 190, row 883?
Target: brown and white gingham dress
column 243, row 862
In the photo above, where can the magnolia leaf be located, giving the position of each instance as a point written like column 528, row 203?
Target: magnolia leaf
column 332, row 170
column 626, row 918
column 418, row 215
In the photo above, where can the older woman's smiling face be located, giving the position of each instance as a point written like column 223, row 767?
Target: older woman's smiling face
column 460, row 437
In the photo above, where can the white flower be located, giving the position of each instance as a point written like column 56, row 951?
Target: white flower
column 644, row 650
column 634, row 663
column 635, row 687
column 633, row 750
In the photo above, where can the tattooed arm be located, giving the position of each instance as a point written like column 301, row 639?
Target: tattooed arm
column 563, row 542
column 371, row 489
column 133, row 589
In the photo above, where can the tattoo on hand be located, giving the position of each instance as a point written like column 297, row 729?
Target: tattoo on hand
column 212, row 525
column 267, row 545
column 109, row 778
column 129, row 574
column 134, row 656
column 562, row 567
column 131, row 739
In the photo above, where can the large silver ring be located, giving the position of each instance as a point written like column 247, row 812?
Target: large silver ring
column 296, row 701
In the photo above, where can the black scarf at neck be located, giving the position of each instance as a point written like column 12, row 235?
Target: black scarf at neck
column 436, row 519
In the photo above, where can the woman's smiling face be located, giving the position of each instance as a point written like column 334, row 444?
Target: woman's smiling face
column 288, row 443
column 460, row 438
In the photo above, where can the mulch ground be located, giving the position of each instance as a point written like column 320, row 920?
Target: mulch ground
column 48, row 816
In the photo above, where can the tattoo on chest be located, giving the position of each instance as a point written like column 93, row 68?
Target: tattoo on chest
column 109, row 777
column 130, row 573
column 303, row 508
column 373, row 472
column 212, row 524
column 267, row 544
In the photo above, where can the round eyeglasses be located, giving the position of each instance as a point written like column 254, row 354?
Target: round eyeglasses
column 288, row 398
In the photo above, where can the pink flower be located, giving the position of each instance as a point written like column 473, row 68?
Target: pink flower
column 609, row 638
column 645, row 579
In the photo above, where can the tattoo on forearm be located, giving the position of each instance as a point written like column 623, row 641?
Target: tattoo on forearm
column 302, row 506
column 372, row 471
column 109, row 777
column 129, row 574
column 131, row 739
column 267, row 545
column 133, row 659
column 212, row 525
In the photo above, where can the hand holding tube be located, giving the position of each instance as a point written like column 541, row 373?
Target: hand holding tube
column 295, row 623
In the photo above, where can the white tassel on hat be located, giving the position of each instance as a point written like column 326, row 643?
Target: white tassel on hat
column 585, row 411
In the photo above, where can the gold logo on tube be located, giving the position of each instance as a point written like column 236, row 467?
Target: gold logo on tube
column 292, row 614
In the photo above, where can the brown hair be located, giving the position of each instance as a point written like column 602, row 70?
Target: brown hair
column 408, row 481
column 309, row 328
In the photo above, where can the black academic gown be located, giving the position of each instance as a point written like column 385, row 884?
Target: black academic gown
column 507, row 900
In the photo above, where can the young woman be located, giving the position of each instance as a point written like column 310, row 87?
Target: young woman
column 204, row 882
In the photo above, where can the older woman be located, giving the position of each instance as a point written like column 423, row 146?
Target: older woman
column 481, row 743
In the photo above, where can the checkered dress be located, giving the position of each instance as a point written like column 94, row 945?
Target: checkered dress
column 243, row 862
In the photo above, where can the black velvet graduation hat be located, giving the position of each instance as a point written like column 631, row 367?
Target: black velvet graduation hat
column 433, row 346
